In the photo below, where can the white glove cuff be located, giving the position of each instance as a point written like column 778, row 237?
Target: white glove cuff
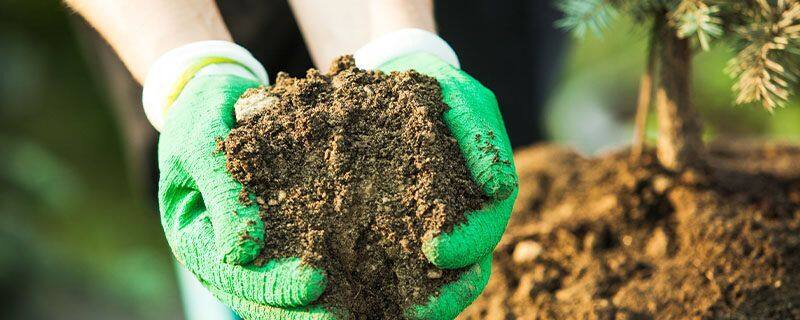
column 401, row 42
column 170, row 72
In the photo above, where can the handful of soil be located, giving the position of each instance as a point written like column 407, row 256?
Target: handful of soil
column 597, row 238
column 351, row 171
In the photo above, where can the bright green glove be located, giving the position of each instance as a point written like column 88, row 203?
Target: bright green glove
column 254, row 311
column 456, row 296
column 209, row 230
column 450, row 301
column 475, row 122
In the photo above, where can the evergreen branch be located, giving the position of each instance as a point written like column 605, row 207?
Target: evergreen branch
column 581, row 16
column 766, row 69
column 696, row 18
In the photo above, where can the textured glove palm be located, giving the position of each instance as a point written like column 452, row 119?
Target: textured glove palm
column 210, row 231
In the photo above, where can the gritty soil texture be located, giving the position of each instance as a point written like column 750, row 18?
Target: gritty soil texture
column 352, row 170
column 600, row 239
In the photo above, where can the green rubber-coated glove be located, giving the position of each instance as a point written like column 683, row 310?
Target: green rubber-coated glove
column 249, row 310
column 475, row 122
column 456, row 296
column 447, row 304
column 208, row 229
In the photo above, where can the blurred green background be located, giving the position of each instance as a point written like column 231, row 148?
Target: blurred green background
column 76, row 240
column 79, row 241
column 594, row 101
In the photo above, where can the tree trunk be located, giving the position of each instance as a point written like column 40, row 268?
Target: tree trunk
column 679, row 140
column 643, row 105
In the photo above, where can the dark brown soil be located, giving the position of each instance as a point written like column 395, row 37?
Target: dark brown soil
column 351, row 171
column 597, row 239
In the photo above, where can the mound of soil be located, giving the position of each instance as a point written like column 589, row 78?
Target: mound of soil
column 599, row 239
column 351, row 170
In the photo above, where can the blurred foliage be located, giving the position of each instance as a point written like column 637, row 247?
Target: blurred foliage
column 76, row 242
column 592, row 107
column 765, row 35
column 581, row 16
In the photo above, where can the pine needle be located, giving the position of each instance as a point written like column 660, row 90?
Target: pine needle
column 766, row 68
column 582, row 16
column 694, row 18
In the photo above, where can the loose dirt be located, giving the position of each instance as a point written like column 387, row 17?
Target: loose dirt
column 352, row 170
column 599, row 239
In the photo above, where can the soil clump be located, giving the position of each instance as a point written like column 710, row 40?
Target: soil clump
column 352, row 170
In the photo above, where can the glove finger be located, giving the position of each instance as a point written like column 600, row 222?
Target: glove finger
column 456, row 296
column 284, row 282
column 238, row 229
column 474, row 120
column 471, row 240
column 253, row 311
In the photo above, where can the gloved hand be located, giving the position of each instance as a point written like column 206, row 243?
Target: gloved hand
column 212, row 233
column 451, row 300
column 205, row 111
column 475, row 122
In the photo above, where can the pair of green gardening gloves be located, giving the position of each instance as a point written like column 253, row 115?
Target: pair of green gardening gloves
column 216, row 237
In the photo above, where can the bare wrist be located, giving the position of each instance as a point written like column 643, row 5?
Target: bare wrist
column 391, row 15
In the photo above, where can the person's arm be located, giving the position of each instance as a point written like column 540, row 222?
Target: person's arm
column 192, row 76
column 334, row 28
column 392, row 15
column 140, row 31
